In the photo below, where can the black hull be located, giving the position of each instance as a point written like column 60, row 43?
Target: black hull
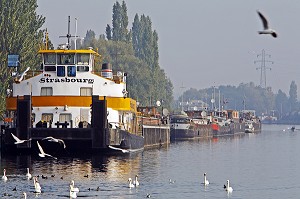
column 231, row 129
column 198, row 131
column 206, row 131
column 76, row 141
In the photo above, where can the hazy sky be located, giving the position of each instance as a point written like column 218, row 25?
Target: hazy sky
column 202, row 43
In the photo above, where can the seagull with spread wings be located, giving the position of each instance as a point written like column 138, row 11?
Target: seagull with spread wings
column 42, row 153
column 266, row 29
column 18, row 141
column 52, row 139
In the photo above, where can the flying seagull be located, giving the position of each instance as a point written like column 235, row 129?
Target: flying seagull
column 52, row 139
column 266, row 30
column 42, row 153
column 18, row 141
column 119, row 149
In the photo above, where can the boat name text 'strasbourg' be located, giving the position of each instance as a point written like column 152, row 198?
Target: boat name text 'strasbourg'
column 63, row 80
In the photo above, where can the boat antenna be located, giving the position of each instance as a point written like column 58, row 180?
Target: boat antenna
column 75, row 33
column 46, row 39
column 69, row 34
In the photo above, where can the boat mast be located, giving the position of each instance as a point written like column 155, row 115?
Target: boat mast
column 69, row 34
column 182, row 87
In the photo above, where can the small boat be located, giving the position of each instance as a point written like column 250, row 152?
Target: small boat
column 249, row 128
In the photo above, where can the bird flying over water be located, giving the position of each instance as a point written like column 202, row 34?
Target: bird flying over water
column 42, row 153
column 52, row 139
column 266, row 29
column 18, row 141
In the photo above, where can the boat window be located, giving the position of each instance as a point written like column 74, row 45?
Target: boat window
column 61, row 71
column 83, row 68
column 65, row 59
column 50, row 68
column 49, row 58
column 71, row 71
column 83, row 59
column 47, row 117
column 86, row 91
column 180, row 120
column 46, row 91
column 65, row 117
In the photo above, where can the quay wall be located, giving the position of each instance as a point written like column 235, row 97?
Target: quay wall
column 156, row 135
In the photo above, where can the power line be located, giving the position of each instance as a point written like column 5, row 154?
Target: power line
column 263, row 68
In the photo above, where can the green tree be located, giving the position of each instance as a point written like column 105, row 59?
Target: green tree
column 20, row 34
column 108, row 32
column 145, row 41
column 136, row 36
column 119, row 22
column 281, row 102
column 90, row 39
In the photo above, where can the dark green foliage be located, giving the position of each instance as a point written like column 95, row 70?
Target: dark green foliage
column 143, row 84
column 90, row 39
column 119, row 22
column 108, row 32
column 145, row 41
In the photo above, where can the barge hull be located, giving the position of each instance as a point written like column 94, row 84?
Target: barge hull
column 96, row 138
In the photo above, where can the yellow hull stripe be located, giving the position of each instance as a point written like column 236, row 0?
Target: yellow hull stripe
column 117, row 103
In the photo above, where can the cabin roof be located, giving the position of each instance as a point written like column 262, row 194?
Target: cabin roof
column 68, row 51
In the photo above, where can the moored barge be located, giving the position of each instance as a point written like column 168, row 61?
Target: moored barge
column 69, row 101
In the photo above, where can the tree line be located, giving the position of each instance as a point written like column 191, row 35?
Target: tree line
column 248, row 96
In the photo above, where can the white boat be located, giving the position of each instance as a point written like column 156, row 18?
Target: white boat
column 249, row 128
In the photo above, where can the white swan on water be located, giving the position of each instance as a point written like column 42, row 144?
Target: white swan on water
column 130, row 185
column 136, row 182
column 73, row 190
column 205, row 181
column 4, row 177
column 37, row 186
column 28, row 175
column 73, row 194
column 227, row 187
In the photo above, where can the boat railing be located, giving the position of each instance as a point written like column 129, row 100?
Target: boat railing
column 116, row 78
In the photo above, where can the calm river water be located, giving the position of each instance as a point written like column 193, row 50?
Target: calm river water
column 263, row 165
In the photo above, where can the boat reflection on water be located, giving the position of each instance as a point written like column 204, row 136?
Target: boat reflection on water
column 113, row 168
column 215, row 139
